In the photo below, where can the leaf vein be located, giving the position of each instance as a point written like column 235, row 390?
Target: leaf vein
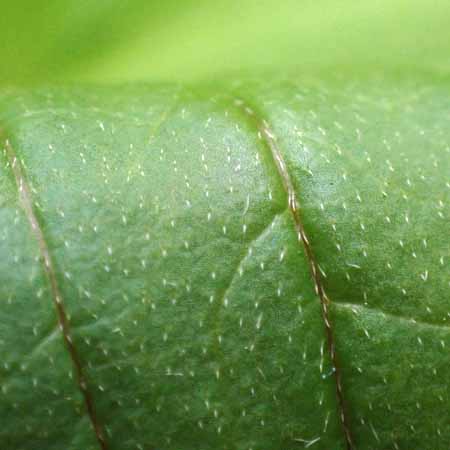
column 269, row 139
column 25, row 198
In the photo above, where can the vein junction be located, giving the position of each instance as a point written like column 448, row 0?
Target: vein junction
column 268, row 137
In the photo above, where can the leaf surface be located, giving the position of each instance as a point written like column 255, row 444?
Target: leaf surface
column 194, row 287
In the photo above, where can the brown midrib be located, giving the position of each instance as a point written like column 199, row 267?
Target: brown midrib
column 269, row 139
column 25, row 198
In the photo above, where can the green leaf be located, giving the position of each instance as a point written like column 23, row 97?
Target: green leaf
column 106, row 40
column 171, row 256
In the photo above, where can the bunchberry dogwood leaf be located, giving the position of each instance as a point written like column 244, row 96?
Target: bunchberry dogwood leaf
column 256, row 265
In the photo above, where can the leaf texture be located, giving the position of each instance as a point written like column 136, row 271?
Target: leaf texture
column 195, row 292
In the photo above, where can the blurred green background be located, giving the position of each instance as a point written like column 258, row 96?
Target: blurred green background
column 113, row 40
